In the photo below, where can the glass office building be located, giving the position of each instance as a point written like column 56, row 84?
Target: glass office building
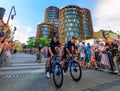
column 70, row 23
column 76, row 21
column 66, row 22
column 52, row 16
column 87, row 23
column 45, row 30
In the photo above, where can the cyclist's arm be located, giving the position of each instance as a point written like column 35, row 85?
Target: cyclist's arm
column 68, row 51
column 50, row 51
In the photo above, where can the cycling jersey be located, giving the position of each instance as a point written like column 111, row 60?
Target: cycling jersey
column 68, row 45
column 53, row 44
column 40, row 47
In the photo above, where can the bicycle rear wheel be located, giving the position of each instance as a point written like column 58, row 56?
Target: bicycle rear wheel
column 58, row 75
column 75, row 71
column 39, row 59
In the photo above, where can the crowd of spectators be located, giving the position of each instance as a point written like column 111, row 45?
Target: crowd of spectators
column 103, row 56
column 5, row 45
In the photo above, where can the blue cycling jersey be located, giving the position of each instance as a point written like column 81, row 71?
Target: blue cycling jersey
column 69, row 45
column 53, row 44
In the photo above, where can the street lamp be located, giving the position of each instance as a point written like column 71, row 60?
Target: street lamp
column 12, row 8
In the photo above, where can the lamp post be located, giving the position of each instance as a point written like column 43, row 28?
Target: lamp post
column 12, row 8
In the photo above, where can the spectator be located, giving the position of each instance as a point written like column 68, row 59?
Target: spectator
column 1, row 34
column 92, row 59
column 104, row 57
column 116, row 58
column 82, row 55
column 88, row 49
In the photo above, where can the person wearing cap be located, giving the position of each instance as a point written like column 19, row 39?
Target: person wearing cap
column 1, row 34
column 53, row 45
column 68, row 49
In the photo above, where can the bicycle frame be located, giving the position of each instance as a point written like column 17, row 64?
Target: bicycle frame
column 54, row 62
column 70, row 61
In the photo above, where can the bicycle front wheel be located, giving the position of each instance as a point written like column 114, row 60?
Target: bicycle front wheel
column 58, row 75
column 75, row 71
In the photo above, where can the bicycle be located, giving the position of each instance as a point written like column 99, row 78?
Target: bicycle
column 74, row 69
column 39, row 57
column 56, row 69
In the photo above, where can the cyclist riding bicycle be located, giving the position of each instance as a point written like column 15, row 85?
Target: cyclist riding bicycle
column 69, row 49
column 39, row 51
column 40, row 47
column 52, row 47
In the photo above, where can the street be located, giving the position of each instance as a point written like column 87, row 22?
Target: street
column 22, row 73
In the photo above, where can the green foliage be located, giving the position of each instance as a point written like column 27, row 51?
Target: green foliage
column 8, row 33
column 23, row 45
column 30, row 42
column 16, row 46
column 43, row 41
column 0, row 29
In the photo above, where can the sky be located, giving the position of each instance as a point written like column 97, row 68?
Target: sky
column 105, row 14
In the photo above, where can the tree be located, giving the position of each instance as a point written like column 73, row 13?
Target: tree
column 17, row 46
column 43, row 41
column 8, row 33
column 31, row 42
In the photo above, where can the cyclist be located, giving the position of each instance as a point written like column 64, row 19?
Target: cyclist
column 69, row 49
column 40, row 47
column 52, row 47
column 39, row 51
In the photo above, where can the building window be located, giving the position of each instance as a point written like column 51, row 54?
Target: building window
column 46, row 28
column 69, row 16
column 77, row 25
column 69, row 28
column 71, row 33
column 74, row 28
column 71, row 24
column 45, row 36
column 77, row 34
column 67, row 24
column 67, row 33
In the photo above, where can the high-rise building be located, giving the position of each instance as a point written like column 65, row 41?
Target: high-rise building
column 66, row 22
column 45, row 30
column 87, row 23
column 76, row 21
column 70, row 23
column 52, row 16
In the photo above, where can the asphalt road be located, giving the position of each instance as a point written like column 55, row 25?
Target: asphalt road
column 22, row 73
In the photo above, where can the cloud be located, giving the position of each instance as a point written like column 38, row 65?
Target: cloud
column 28, row 29
column 22, row 33
column 107, row 15
column 21, row 37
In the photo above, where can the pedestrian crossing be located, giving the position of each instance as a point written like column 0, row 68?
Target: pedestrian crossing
column 16, row 70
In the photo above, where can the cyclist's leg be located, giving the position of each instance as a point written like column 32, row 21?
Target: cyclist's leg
column 48, row 66
column 48, row 61
column 63, row 64
column 63, row 61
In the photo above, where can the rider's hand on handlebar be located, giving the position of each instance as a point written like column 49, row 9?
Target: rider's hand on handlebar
column 60, row 55
column 52, row 55
column 70, row 55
